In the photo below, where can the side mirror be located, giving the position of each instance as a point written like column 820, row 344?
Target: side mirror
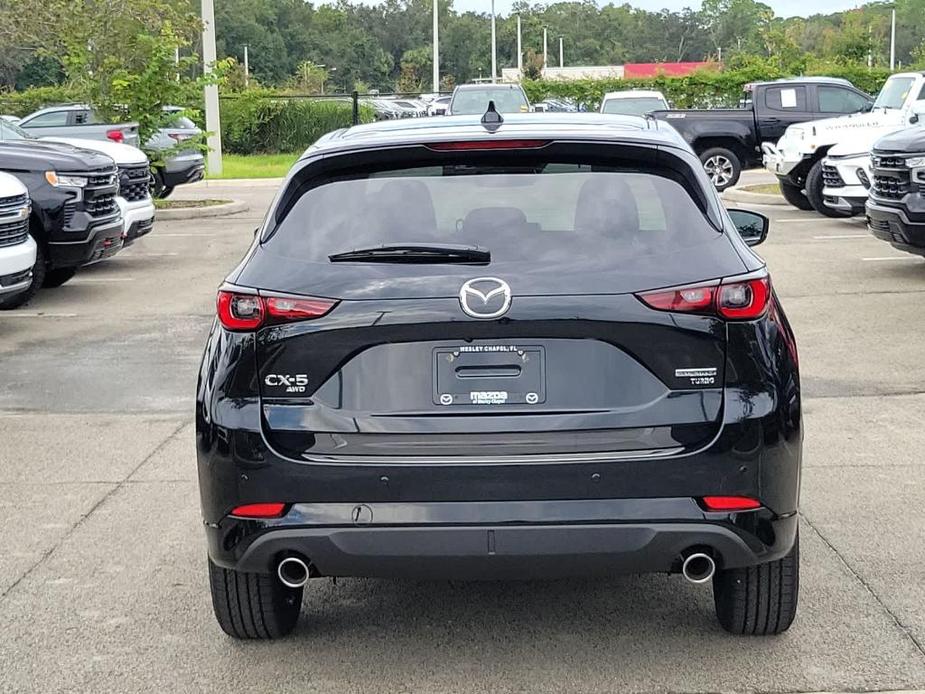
column 918, row 111
column 752, row 227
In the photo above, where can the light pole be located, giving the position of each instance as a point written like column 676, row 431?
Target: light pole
column 561, row 62
column 494, row 44
column 436, row 85
column 520, row 54
column 893, row 42
column 213, row 120
column 545, row 52
column 247, row 68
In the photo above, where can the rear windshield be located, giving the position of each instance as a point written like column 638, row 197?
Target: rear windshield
column 635, row 106
column 536, row 214
column 475, row 101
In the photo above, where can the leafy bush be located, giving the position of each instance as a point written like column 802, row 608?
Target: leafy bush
column 30, row 100
column 262, row 122
column 701, row 89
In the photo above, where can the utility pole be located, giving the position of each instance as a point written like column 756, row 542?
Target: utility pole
column 520, row 54
column 494, row 44
column 545, row 52
column 247, row 68
column 893, row 42
column 213, row 120
column 561, row 61
column 436, row 85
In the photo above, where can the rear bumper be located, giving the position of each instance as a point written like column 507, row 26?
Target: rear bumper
column 180, row 172
column 574, row 538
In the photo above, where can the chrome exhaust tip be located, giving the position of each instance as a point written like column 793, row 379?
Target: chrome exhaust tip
column 698, row 567
column 292, row 572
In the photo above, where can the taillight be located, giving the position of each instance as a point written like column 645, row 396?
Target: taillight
column 115, row 135
column 486, row 144
column 743, row 300
column 730, row 503
column 250, row 311
column 270, row 510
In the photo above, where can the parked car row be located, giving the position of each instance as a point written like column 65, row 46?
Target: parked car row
column 871, row 163
column 65, row 202
column 179, row 166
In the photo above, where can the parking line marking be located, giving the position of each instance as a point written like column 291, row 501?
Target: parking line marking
column 20, row 314
column 183, row 235
column 788, row 221
column 152, row 255
column 892, row 257
column 844, row 236
column 89, row 280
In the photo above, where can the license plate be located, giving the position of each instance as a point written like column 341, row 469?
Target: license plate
column 489, row 375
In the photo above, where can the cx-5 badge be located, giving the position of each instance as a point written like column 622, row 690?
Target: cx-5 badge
column 485, row 297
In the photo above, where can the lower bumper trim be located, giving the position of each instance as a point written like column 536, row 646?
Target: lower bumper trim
column 511, row 551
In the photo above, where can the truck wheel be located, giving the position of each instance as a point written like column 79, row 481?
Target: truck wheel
column 251, row 605
column 759, row 600
column 159, row 189
column 58, row 276
column 38, row 278
column 722, row 166
column 794, row 195
column 814, row 185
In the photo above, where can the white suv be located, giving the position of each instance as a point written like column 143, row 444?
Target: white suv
column 17, row 248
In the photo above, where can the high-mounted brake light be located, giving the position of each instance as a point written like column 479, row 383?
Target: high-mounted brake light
column 250, row 311
column 116, row 135
column 270, row 510
column 486, row 144
column 743, row 300
column 730, row 503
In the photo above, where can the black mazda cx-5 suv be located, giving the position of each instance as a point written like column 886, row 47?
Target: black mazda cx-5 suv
column 476, row 348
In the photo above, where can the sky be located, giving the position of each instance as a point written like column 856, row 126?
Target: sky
column 782, row 8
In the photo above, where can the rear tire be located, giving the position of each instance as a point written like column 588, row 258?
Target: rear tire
column 58, row 276
column 759, row 600
column 38, row 278
column 793, row 195
column 814, row 185
column 251, row 605
column 722, row 166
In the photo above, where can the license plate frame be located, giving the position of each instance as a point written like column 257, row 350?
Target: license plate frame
column 487, row 375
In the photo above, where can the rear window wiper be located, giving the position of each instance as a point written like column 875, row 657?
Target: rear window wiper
column 415, row 253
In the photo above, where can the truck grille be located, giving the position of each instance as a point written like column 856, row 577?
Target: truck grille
column 101, row 205
column 12, row 233
column 99, row 180
column 831, row 178
column 134, row 183
column 12, row 204
column 888, row 162
column 14, row 227
column 891, row 186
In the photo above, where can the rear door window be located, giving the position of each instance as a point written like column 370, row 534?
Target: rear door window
column 785, row 98
column 534, row 214
column 53, row 119
column 840, row 100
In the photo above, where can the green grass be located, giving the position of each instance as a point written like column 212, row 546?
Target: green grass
column 766, row 188
column 256, row 165
column 186, row 204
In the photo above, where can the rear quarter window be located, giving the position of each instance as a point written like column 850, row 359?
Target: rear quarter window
column 535, row 214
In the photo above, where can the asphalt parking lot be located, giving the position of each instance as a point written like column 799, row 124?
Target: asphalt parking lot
column 102, row 566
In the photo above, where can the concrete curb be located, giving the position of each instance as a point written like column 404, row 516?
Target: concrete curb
column 233, row 207
column 236, row 183
column 738, row 195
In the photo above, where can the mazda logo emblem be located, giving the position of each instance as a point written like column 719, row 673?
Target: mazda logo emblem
column 485, row 297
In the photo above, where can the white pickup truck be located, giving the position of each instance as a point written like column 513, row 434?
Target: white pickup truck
column 797, row 158
column 17, row 247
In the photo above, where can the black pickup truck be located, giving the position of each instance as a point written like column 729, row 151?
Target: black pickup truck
column 75, row 217
column 896, row 203
column 728, row 140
